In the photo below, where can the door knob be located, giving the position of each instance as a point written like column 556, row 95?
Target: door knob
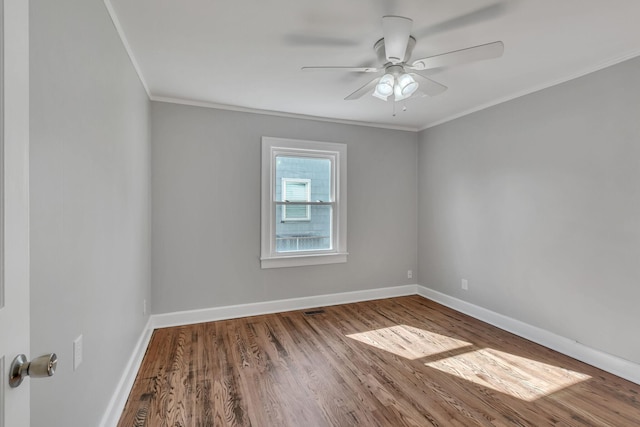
column 43, row 366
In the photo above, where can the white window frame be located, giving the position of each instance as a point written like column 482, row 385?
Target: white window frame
column 337, row 153
column 285, row 182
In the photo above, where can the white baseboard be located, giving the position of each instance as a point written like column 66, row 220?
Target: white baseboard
column 253, row 309
column 607, row 362
column 119, row 399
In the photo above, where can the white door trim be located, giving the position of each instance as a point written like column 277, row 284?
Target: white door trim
column 14, row 314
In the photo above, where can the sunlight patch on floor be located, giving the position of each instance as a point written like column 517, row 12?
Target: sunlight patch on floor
column 409, row 342
column 517, row 376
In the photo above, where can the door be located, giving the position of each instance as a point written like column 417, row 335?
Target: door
column 14, row 206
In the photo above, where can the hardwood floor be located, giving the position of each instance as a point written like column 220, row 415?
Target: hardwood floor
column 396, row 362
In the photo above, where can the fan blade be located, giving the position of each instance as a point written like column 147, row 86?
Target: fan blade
column 462, row 56
column 307, row 40
column 351, row 69
column 364, row 89
column 396, row 31
column 482, row 14
column 427, row 85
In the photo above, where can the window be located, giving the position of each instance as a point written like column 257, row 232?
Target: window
column 304, row 210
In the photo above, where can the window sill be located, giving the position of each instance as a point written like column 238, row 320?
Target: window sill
column 301, row 260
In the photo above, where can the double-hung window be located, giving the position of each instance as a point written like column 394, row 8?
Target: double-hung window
column 304, row 207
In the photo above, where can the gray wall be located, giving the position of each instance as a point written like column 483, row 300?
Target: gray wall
column 206, row 233
column 90, row 207
column 537, row 203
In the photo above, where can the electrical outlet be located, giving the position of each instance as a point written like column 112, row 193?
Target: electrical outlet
column 465, row 284
column 144, row 307
column 77, row 352
column 409, row 274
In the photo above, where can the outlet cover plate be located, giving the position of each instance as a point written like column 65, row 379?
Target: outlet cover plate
column 77, row 352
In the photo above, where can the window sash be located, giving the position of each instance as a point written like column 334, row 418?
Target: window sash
column 279, row 202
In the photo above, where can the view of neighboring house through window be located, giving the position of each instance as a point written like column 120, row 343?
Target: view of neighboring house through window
column 303, row 203
column 294, row 190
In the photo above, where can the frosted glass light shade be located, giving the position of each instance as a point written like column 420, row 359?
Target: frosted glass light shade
column 384, row 88
column 407, row 85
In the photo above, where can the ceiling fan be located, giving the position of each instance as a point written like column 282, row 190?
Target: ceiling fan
column 401, row 78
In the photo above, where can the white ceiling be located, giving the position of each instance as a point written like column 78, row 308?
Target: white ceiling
column 247, row 54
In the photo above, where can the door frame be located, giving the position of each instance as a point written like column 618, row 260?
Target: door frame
column 14, row 258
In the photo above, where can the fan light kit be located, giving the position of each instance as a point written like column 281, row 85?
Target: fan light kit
column 394, row 52
column 395, row 82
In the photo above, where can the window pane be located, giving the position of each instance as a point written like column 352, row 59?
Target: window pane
column 312, row 235
column 316, row 172
column 295, row 213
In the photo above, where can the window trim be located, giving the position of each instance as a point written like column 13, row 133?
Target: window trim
column 337, row 152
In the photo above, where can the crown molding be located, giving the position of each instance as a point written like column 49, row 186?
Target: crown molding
column 213, row 105
column 127, row 46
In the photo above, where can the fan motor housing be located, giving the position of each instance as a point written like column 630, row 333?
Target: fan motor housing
column 382, row 55
column 394, row 70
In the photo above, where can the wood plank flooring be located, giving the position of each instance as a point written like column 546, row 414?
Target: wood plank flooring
column 396, row 362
